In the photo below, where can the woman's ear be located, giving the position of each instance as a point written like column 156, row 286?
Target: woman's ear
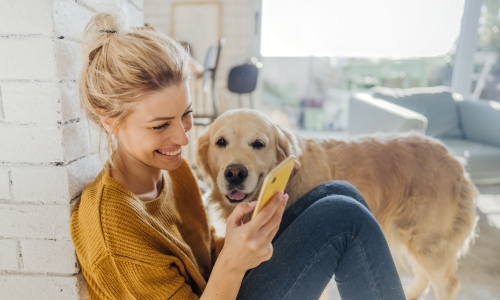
column 108, row 124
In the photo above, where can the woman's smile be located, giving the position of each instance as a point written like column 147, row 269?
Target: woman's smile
column 170, row 155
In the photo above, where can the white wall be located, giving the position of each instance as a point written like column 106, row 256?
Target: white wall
column 46, row 156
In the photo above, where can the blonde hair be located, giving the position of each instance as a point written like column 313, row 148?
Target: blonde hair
column 122, row 64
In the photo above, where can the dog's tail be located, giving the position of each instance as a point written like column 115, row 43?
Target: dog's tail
column 466, row 219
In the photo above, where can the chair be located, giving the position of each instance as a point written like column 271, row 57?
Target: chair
column 243, row 80
column 209, row 74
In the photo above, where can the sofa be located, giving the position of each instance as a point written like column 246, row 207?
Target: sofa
column 469, row 128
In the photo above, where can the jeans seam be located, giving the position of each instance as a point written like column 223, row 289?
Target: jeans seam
column 316, row 255
column 367, row 268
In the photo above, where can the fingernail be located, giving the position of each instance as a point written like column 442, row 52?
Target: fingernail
column 253, row 203
column 285, row 198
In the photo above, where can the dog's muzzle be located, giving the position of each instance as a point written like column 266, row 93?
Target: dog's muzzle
column 235, row 174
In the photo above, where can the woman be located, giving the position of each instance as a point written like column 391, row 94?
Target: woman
column 141, row 233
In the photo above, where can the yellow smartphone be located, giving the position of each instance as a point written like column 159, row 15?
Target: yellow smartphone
column 274, row 182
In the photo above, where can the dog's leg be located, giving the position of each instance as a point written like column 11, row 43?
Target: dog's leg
column 444, row 282
column 420, row 280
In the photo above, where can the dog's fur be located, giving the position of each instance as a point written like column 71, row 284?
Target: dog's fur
column 419, row 193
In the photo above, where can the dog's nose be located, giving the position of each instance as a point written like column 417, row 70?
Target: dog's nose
column 235, row 174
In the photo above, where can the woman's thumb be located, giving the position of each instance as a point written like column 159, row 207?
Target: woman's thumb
column 240, row 211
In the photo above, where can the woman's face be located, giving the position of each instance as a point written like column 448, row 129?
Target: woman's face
column 153, row 133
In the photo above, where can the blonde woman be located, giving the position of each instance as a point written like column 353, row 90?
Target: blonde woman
column 142, row 233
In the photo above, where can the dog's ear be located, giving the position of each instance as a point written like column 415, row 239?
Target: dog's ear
column 203, row 143
column 286, row 144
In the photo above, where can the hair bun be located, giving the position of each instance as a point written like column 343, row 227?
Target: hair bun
column 114, row 20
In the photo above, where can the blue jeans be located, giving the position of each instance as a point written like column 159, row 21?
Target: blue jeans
column 328, row 231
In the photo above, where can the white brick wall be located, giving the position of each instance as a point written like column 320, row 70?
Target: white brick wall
column 4, row 184
column 46, row 155
column 9, row 255
column 40, row 102
column 41, row 287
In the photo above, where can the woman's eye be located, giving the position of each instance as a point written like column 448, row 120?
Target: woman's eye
column 221, row 142
column 258, row 144
column 188, row 113
column 161, row 127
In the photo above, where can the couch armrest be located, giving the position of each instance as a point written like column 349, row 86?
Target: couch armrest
column 369, row 115
column 480, row 120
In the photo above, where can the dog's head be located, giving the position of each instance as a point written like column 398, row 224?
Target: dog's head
column 237, row 151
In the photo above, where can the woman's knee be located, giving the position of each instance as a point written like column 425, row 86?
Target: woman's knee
column 338, row 187
column 340, row 209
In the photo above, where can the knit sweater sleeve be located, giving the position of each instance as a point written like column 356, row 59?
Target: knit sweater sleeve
column 123, row 279
column 216, row 244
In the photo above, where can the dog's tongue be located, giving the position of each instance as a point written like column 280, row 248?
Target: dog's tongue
column 237, row 195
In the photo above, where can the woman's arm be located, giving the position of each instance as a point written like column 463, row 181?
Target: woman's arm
column 245, row 247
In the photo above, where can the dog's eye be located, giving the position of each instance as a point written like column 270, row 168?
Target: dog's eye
column 221, row 142
column 258, row 144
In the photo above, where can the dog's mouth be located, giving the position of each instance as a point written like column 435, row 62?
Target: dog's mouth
column 236, row 196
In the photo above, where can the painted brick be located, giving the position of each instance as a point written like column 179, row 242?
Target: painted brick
column 4, row 184
column 136, row 17
column 75, row 141
column 68, row 55
column 30, row 17
column 35, row 58
column 138, row 3
column 39, row 102
column 27, row 58
column 37, row 144
column 27, row 287
column 8, row 255
column 31, row 144
column 99, row 5
column 70, row 18
column 31, row 221
column 81, row 172
column 53, row 184
column 49, row 256
column 42, row 184
column 70, row 103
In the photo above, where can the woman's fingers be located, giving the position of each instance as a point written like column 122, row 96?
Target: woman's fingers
column 272, row 226
column 239, row 211
column 268, row 211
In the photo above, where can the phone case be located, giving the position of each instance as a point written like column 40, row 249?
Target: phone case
column 274, row 182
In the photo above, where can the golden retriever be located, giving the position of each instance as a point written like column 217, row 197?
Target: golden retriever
column 418, row 192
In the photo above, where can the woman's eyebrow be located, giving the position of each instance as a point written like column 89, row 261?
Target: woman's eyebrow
column 168, row 118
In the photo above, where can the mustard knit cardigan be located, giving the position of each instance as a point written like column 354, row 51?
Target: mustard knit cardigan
column 131, row 249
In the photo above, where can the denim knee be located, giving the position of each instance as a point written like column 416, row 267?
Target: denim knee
column 341, row 212
column 339, row 187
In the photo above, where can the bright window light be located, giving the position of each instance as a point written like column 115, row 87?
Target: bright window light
column 360, row 28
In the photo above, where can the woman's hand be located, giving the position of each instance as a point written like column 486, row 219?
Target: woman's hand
column 247, row 245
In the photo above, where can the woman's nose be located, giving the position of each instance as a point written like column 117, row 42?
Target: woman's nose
column 180, row 137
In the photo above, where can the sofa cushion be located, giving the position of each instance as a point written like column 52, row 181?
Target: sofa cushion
column 435, row 103
column 480, row 120
column 482, row 161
